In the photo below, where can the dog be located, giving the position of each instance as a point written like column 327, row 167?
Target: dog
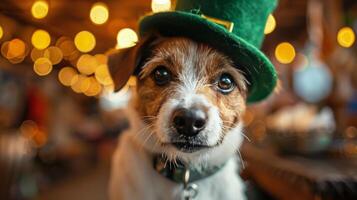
column 185, row 113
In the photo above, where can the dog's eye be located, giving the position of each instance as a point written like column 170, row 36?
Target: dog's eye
column 161, row 75
column 225, row 83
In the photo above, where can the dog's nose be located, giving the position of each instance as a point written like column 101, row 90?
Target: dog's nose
column 189, row 122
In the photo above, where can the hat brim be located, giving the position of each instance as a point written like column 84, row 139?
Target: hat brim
column 258, row 69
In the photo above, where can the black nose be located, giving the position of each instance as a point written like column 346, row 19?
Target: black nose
column 189, row 122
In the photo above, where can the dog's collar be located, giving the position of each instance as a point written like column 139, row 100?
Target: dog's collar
column 179, row 173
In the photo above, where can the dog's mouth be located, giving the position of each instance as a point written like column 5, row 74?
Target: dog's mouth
column 189, row 147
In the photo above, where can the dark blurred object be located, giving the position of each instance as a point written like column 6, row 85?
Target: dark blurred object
column 255, row 192
column 15, row 154
column 301, row 129
column 296, row 177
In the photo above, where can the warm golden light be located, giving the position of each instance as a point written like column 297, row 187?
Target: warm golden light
column 11, row 59
column 66, row 75
column 101, row 59
column 1, row 32
column 67, row 46
column 87, row 64
column 285, row 53
column 41, row 39
column 36, row 54
column 85, row 41
column 54, row 54
column 42, row 66
column 132, row 81
column 346, row 37
column 39, row 9
column 270, row 25
column 160, row 5
column 99, row 13
column 4, row 49
column 16, row 49
column 80, row 83
column 102, row 75
column 126, row 38
column 94, row 88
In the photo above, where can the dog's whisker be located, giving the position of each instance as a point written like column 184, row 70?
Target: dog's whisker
column 241, row 159
column 144, row 130
column 148, row 137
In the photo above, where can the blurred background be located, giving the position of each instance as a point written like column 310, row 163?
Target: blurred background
column 59, row 117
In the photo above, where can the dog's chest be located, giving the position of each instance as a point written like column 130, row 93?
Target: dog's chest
column 133, row 177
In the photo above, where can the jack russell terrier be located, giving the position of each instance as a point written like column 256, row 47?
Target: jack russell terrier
column 186, row 110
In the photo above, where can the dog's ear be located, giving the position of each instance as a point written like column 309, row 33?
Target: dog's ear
column 123, row 63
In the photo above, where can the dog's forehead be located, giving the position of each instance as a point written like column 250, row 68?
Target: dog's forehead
column 186, row 54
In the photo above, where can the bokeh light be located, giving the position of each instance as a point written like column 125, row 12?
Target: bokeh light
column 42, row 66
column 4, row 49
column 66, row 75
column 30, row 130
column 85, row 41
column 132, row 81
column 16, row 49
column 80, row 83
column 346, row 37
column 54, row 54
column 36, row 54
column 270, row 25
column 313, row 83
column 101, row 59
column 1, row 32
column 285, row 53
column 102, row 75
column 87, row 64
column 41, row 39
column 67, row 46
column 94, row 88
column 39, row 9
column 126, row 38
column 99, row 13
column 160, row 5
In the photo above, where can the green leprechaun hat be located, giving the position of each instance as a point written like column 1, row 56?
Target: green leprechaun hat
column 234, row 27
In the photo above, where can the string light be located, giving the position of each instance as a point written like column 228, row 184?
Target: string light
column 126, row 38
column 270, row 25
column 101, row 59
column 99, row 13
column 36, row 54
column 346, row 37
column 42, row 66
column 80, row 83
column 94, row 88
column 41, row 39
column 87, row 64
column 85, row 41
column 102, row 75
column 39, row 9
column 54, row 54
column 67, row 46
column 285, row 53
column 66, row 75
column 160, row 5
column 4, row 49
column 1, row 32
column 16, row 49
